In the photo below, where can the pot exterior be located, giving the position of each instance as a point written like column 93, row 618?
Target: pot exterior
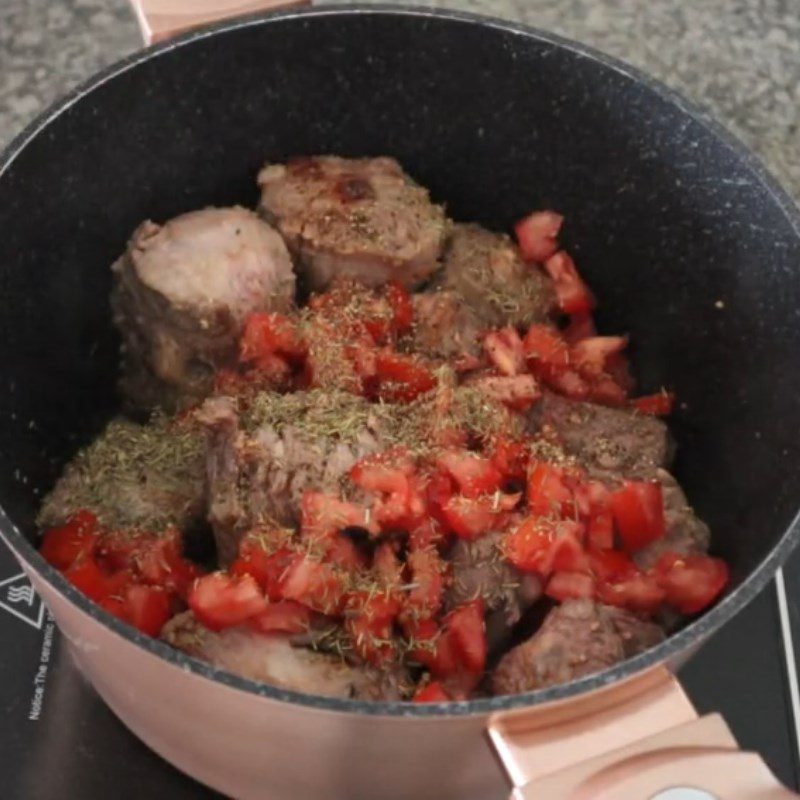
column 251, row 747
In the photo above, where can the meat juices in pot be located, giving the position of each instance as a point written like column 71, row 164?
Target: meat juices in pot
column 400, row 476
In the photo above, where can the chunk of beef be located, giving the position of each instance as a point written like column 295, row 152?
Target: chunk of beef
column 363, row 218
column 487, row 271
column 271, row 658
column 259, row 469
column 445, row 327
column 480, row 570
column 686, row 534
column 577, row 638
column 609, row 442
column 182, row 292
column 134, row 476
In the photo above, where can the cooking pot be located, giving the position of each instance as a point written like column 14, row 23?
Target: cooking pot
column 693, row 249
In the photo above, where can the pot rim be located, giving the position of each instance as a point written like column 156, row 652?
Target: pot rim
column 694, row 633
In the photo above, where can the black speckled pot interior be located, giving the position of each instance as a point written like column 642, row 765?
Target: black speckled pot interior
column 689, row 246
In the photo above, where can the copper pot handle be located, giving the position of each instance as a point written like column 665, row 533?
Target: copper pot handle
column 643, row 739
column 162, row 19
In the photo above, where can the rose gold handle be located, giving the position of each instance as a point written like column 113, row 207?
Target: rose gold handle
column 628, row 741
column 162, row 19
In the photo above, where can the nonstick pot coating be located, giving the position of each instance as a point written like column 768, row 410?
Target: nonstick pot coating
column 689, row 246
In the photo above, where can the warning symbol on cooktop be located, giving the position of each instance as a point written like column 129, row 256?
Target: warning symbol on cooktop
column 18, row 597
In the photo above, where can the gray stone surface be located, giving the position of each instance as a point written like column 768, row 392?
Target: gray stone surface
column 739, row 59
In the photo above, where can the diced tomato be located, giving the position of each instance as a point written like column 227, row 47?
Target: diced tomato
column 379, row 329
column 121, row 549
column 386, row 565
column 565, row 585
column 574, row 296
column 322, row 515
column 545, row 345
column 159, row 561
column 428, row 532
column 223, row 601
column 465, row 362
column 542, row 544
column 566, row 551
column 504, row 349
column 456, row 650
column 581, row 326
column 369, row 620
column 402, row 308
column 606, row 391
column 388, row 471
column 518, row 392
column 600, row 530
column 474, row 474
column 115, row 606
column 565, row 381
column 401, row 377
column 427, row 581
column 431, row 646
column 285, row 616
column 638, row 511
column 536, row 235
column 466, row 628
column 365, row 363
column 547, row 490
column 527, row 547
column 691, row 582
column 611, row 565
column 440, row 488
column 591, row 497
column 267, row 568
column 343, row 552
column 589, row 356
column 147, row 608
column 393, row 511
column 391, row 475
column 470, row 518
column 62, row 546
column 314, row 584
column 659, row 404
column 636, row 593
column 87, row 576
column 619, row 370
column 432, row 693
column 268, row 335
column 510, row 458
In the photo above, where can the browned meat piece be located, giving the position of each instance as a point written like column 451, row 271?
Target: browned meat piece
column 147, row 476
column 444, row 326
column 686, row 534
column 363, row 218
column 609, row 442
column 260, row 464
column 486, row 270
column 271, row 658
column 182, row 292
column 577, row 638
column 479, row 570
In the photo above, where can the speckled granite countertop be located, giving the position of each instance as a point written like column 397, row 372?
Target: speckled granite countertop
column 740, row 59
